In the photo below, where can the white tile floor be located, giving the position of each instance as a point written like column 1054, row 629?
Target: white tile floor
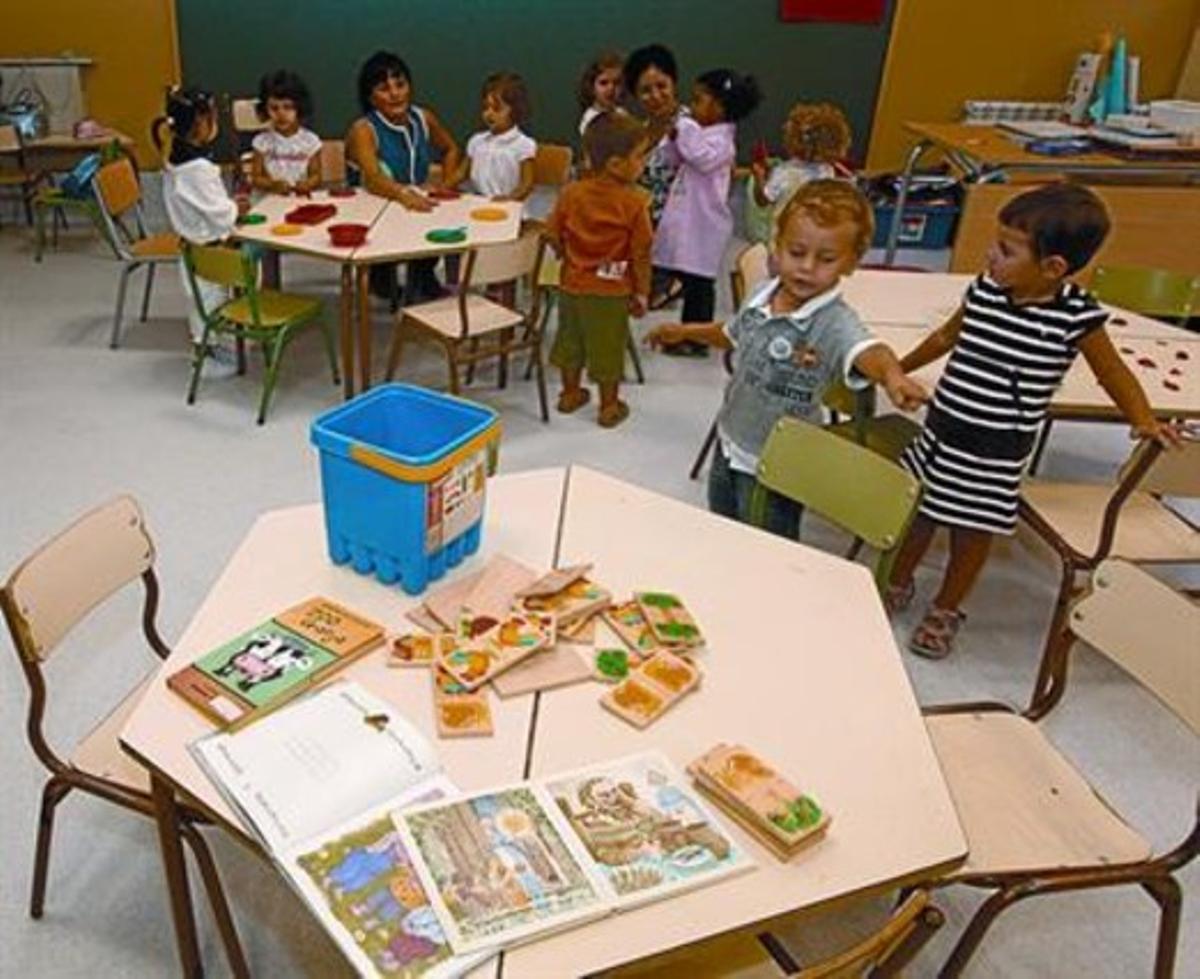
column 82, row 422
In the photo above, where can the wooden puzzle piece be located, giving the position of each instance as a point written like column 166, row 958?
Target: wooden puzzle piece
column 669, row 619
column 497, row 588
column 672, row 672
column 458, row 712
column 444, row 603
column 582, row 631
column 558, row 666
column 645, row 695
column 628, row 622
column 611, row 665
column 419, row 649
column 554, row 581
column 476, row 659
column 580, row 599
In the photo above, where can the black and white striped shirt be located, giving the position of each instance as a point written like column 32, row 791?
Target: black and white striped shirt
column 1008, row 362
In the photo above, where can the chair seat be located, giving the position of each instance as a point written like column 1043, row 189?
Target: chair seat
column 1022, row 805
column 275, row 309
column 164, row 245
column 886, row 435
column 100, row 754
column 1146, row 529
column 550, row 273
column 483, row 316
column 18, row 178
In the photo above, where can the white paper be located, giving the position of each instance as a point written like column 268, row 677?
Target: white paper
column 316, row 763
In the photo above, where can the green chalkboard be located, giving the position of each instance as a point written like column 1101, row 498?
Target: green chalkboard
column 451, row 45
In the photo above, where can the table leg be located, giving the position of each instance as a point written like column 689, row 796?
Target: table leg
column 364, row 328
column 166, row 815
column 346, row 331
column 902, row 198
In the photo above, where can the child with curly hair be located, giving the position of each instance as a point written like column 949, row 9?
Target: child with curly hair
column 287, row 155
column 816, row 137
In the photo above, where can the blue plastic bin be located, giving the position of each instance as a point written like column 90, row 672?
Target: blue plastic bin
column 403, row 475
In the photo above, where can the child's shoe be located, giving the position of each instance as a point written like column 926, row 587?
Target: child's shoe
column 897, row 598
column 934, row 637
column 572, row 401
column 612, row 415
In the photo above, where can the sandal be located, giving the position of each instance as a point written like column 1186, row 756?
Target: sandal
column 571, row 401
column 674, row 291
column 897, row 598
column 612, row 415
column 934, row 637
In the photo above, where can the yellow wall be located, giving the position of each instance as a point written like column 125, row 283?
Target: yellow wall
column 943, row 52
column 133, row 44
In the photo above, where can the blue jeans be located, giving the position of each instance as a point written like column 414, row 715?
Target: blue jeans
column 729, row 493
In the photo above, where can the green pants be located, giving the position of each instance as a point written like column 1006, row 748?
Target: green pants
column 592, row 333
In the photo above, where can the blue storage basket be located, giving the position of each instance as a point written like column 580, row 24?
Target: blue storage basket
column 403, row 474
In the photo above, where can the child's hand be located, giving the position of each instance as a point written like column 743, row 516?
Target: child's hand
column 1164, row 433
column 637, row 306
column 414, row 200
column 666, row 335
column 759, row 169
column 905, row 393
column 243, row 204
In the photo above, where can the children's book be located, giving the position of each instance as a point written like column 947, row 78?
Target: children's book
column 316, row 783
column 266, row 666
column 506, row 865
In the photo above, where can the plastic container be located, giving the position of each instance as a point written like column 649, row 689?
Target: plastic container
column 403, row 477
column 921, row 226
column 347, row 235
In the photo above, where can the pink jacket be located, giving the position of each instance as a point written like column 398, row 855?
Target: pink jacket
column 696, row 221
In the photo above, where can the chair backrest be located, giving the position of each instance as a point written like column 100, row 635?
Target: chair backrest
column 894, row 945
column 10, row 139
column 244, row 113
column 1148, row 629
column 1151, row 292
column 117, row 187
column 217, row 263
column 750, row 269
column 552, row 164
column 1171, row 472
column 333, row 161
column 504, row 262
column 56, row 586
column 847, row 484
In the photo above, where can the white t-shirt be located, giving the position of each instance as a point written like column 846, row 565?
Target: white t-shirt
column 198, row 205
column 496, row 160
column 286, row 157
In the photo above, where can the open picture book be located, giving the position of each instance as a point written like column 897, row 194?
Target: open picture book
column 316, row 782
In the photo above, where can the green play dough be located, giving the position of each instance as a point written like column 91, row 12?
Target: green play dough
column 252, row 219
column 613, row 663
column 446, row 236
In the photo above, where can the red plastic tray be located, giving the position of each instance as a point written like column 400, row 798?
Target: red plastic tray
column 310, row 214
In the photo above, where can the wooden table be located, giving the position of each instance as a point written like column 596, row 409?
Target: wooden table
column 833, row 705
column 925, row 300
column 396, row 235
column 987, row 153
column 59, row 153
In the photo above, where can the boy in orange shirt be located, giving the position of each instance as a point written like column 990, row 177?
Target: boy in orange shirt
column 601, row 229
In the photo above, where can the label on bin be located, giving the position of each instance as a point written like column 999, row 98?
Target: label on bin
column 454, row 502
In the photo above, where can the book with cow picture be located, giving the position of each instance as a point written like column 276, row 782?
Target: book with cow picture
column 277, row 659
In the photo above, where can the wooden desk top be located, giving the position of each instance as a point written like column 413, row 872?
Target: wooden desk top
column 362, row 208
column 400, row 234
column 282, row 561
column 801, row 665
column 1150, row 358
column 997, row 147
column 64, row 141
column 927, row 299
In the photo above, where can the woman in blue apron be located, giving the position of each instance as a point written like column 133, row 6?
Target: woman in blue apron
column 388, row 152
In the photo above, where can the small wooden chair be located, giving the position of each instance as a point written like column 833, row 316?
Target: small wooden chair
column 843, row 482
column 15, row 171
column 119, row 197
column 262, row 316
column 470, row 327
column 333, row 162
column 43, row 600
column 1160, row 293
column 1086, row 523
column 1033, row 823
column 744, row 955
column 552, row 164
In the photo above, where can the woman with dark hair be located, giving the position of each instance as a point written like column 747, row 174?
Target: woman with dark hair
column 389, row 150
column 651, row 75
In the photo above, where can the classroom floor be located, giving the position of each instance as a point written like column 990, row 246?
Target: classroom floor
column 82, row 422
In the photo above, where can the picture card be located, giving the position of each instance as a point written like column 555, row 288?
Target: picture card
column 459, row 712
column 419, row 648
column 650, row 690
column 628, row 622
column 669, row 619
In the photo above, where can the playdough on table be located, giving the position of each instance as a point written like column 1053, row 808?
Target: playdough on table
column 442, row 194
column 342, row 191
column 287, row 230
column 252, row 218
column 446, row 236
column 488, row 214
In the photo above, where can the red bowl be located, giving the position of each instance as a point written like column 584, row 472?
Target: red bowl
column 348, row 235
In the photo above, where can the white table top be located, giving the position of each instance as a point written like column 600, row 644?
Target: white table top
column 400, row 233
column 1081, row 395
column 924, row 300
column 362, row 208
column 802, row 666
column 282, row 561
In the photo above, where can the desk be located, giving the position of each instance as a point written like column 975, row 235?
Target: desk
column 835, row 708
column 396, row 235
column 925, row 300
column 59, row 153
column 985, row 153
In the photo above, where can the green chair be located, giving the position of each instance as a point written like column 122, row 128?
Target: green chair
column 54, row 202
column 886, row 435
column 261, row 316
column 1159, row 293
column 841, row 481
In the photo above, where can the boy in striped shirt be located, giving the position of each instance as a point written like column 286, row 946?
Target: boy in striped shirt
column 1011, row 342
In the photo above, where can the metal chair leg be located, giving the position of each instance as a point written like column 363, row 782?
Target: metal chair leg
column 540, row 369
column 54, row 792
column 970, row 939
column 1167, row 894
column 272, row 374
column 706, row 447
column 216, row 899
column 146, row 292
column 330, row 350
column 395, row 351
column 631, row 348
column 40, row 247
column 119, row 317
column 1039, row 448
